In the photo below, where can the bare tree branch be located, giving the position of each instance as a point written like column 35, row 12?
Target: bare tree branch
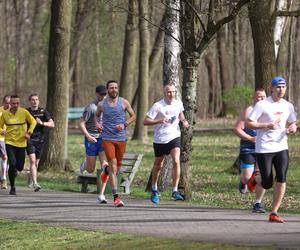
column 197, row 14
column 294, row 13
column 212, row 28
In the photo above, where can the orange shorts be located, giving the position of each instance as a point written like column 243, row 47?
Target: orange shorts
column 114, row 150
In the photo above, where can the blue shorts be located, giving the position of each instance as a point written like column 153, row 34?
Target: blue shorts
column 93, row 149
column 247, row 160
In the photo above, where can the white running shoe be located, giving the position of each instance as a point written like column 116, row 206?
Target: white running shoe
column 101, row 199
column 36, row 187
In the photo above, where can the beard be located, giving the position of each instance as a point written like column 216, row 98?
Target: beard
column 113, row 95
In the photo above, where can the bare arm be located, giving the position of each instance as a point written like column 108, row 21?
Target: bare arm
column 83, row 129
column 262, row 125
column 185, row 123
column 291, row 128
column 149, row 121
column 97, row 117
column 130, row 111
column 240, row 126
column 49, row 124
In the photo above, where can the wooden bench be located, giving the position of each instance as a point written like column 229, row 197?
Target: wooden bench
column 130, row 165
column 74, row 113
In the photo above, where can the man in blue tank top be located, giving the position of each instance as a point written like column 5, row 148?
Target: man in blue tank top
column 249, row 172
column 113, row 127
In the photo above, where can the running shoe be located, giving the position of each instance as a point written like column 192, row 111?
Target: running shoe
column 82, row 167
column 243, row 188
column 104, row 174
column 36, row 187
column 118, row 202
column 273, row 217
column 4, row 184
column 155, row 196
column 177, row 196
column 258, row 208
column 101, row 199
column 12, row 191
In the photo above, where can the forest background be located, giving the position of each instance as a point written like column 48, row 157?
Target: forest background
column 98, row 30
column 62, row 49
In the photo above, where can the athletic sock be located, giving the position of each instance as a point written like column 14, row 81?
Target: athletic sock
column 154, row 187
column 175, row 189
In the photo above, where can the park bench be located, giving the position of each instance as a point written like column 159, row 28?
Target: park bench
column 130, row 165
column 74, row 113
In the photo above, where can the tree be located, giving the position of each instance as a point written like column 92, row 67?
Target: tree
column 55, row 152
column 140, row 131
column 127, row 81
column 196, row 37
column 262, row 19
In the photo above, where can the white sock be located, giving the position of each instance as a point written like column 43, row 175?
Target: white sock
column 154, row 187
column 175, row 189
column 257, row 201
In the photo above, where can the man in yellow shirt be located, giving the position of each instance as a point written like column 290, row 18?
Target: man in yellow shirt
column 3, row 154
column 19, row 126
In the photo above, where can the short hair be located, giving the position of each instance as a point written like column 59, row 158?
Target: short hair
column 259, row 89
column 4, row 97
column 33, row 94
column 14, row 96
column 110, row 81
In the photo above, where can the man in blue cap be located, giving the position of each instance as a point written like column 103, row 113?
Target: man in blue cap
column 274, row 118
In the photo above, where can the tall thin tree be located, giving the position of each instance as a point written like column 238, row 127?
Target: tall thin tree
column 55, row 152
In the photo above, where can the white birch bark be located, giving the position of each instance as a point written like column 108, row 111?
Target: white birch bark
column 172, row 47
column 279, row 26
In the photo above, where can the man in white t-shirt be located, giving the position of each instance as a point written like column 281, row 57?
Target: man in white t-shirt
column 273, row 118
column 165, row 115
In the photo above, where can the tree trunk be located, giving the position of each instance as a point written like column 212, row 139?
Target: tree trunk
column 170, row 72
column 224, row 66
column 55, row 151
column 189, row 90
column 140, row 131
column 262, row 19
column 129, row 64
column 82, row 12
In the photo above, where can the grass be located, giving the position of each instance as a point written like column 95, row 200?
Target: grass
column 25, row 235
column 212, row 181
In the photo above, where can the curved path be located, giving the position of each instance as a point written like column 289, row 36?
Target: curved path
column 168, row 219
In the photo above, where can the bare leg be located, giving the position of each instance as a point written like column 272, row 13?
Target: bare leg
column 278, row 196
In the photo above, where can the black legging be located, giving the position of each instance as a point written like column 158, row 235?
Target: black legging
column 266, row 160
column 16, row 160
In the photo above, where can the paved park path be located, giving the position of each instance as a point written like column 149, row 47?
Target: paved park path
column 168, row 219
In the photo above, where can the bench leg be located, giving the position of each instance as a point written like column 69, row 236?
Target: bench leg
column 84, row 187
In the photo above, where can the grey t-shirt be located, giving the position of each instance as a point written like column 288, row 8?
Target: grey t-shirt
column 88, row 117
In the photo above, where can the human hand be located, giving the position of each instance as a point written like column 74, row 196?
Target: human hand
column 120, row 127
column 27, row 136
column 292, row 128
column 39, row 121
column 92, row 139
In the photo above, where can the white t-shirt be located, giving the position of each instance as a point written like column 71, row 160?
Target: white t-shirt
column 265, row 111
column 164, row 133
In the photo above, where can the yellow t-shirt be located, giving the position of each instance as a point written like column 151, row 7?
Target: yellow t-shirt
column 1, row 111
column 16, row 126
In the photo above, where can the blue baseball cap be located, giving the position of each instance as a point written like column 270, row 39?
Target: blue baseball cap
column 278, row 80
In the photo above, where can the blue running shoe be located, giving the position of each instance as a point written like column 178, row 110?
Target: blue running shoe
column 258, row 208
column 243, row 188
column 177, row 196
column 155, row 197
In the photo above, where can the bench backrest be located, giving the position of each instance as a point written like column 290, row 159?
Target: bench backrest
column 74, row 113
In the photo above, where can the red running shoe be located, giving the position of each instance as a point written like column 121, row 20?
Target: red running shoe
column 251, row 183
column 104, row 174
column 275, row 218
column 118, row 202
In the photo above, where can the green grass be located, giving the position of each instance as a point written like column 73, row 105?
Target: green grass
column 25, row 235
column 212, row 180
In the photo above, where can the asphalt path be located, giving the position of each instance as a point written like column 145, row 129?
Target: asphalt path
column 169, row 219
